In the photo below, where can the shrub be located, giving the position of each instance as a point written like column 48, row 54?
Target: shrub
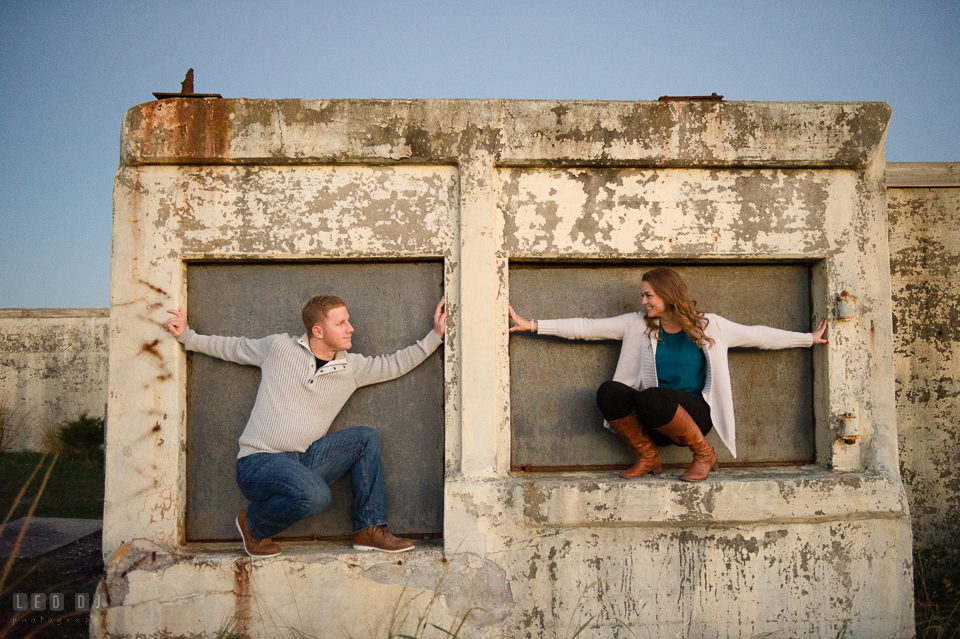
column 81, row 439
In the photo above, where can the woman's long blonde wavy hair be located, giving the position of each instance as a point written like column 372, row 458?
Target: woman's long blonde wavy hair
column 668, row 284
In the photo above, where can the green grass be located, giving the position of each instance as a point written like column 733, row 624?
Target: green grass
column 75, row 488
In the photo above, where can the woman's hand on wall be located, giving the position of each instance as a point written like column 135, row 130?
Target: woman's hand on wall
column 818, row 334
column 519, row 324
column 177, row 324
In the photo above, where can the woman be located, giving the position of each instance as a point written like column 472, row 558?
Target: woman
column 672, row 382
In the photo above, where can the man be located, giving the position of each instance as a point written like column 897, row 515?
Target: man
column 287, row 460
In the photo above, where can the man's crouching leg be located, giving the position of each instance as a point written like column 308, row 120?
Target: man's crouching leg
column 282, row 491
column 357, row 450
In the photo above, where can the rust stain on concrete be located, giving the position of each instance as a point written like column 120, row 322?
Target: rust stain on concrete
column 151, row 349
column 242, row 594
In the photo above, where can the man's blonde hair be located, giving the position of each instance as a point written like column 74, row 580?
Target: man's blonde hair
column 317, row 308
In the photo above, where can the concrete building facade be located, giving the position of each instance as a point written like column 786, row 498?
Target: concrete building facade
column 812, row 549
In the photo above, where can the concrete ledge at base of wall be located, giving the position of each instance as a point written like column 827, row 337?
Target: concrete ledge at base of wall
column 905, row 175
column 842, row 579
column 54, row 312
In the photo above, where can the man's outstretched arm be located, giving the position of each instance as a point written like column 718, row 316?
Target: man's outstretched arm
column 372, row 370
column 232, row 349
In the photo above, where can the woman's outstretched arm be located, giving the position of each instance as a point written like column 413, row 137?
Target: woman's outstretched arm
column 765, row 336
column 575, row 328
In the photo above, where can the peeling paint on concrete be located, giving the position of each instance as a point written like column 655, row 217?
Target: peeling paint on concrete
column 300, row 211
column 467, row 583
column 666, row 212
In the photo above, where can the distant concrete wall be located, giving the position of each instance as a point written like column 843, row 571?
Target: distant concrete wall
column 53, row 366
column 923, row 204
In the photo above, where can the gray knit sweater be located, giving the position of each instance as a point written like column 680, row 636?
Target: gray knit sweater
column 296, row 403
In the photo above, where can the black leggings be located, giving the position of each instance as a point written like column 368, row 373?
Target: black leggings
column 655, row 407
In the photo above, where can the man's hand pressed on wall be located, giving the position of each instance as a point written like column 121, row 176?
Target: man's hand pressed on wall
column 440, row 317
column 178, row 323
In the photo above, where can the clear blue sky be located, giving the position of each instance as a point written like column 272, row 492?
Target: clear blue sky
column 69, row 70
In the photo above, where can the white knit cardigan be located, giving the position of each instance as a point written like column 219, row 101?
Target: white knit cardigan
column 637, row 366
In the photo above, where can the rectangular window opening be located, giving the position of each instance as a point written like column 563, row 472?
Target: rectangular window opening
column 391, row 305
column 555, row 423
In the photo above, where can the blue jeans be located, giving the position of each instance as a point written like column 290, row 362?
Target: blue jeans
column 284, row 488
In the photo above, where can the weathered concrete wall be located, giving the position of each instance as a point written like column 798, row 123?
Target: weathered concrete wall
column 53, row 366
column 923, row 200
column 810, row 551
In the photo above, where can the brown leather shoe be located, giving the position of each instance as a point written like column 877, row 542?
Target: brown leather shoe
column 632, row 432
column 683, row 430
column 377, row 538
column 256, row 548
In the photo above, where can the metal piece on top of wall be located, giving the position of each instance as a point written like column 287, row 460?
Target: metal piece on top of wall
column 186, row 90
column 713, row 97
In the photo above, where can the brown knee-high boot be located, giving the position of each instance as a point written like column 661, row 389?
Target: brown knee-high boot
column 683, row 430
column 631, row 431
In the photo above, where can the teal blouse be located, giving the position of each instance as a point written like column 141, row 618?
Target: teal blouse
column 681, row 364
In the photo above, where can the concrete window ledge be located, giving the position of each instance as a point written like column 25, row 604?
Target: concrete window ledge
column 308, row 552
column 198, row 567
column 729, row 497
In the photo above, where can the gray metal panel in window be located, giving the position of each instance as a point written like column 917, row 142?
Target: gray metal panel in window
column 555, row 423
column 391, row 306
